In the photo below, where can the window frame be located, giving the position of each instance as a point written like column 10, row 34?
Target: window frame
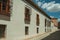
column 28, row 18
column 6, row 14
column 37, row 20
column 26, row 30
column 37, row 29
column 2, row 30
column 6, row 10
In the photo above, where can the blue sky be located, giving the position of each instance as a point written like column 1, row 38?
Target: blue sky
column 51, row 7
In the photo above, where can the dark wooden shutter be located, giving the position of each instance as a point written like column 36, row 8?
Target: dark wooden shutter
column 26, row 30
column 37, row 20
column 27, row 16
column 2, row 31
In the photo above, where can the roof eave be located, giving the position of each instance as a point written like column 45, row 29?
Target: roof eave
column 36, row 7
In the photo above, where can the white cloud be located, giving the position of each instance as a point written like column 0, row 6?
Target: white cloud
column 54, row 8
column 45, row 5
column 51, row 6
column 58, row 19
column 39, row 3
column 52, row 16
column 37, row 0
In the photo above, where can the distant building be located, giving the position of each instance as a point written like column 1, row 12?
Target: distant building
column 54, row 23
column 58, row 25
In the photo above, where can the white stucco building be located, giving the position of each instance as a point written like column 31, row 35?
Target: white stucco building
column 26, row 20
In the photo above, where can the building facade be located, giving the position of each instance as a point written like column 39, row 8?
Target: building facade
column 54, row 23
column 22, row 19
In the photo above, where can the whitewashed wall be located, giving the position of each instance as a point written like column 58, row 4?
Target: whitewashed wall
column 53, row 28
column 16, row 27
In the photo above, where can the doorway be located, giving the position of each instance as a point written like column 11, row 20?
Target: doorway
column 2, row 30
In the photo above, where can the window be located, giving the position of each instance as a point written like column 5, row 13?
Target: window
column 45, row 25
column 37, row 20
column 26, row 30
column 5, row 7
column 48, row 23
column 45, row 22
column 0, row 7
column 2, row 31
column 4, row 0
column 4, row 4
column 27, row 15
column 37, row 30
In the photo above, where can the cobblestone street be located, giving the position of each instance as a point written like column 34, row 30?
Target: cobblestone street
column 53, row 36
